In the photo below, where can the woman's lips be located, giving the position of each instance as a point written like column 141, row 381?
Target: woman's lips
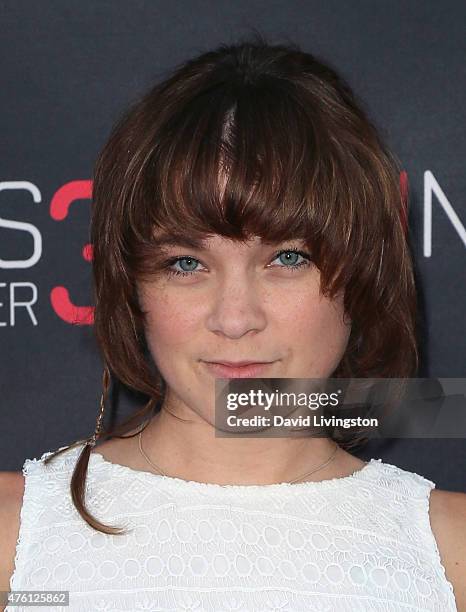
column 246, row 371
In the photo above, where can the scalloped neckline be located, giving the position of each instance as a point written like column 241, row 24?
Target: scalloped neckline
column 206, row 486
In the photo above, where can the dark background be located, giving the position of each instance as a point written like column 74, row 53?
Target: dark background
column 69, row 68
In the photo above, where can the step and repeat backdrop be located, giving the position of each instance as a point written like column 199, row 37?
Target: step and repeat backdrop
column 68, row 69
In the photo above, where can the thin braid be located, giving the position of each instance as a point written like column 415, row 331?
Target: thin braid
column 106, row 377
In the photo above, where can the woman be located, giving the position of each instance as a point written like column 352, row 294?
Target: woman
column 245, row 209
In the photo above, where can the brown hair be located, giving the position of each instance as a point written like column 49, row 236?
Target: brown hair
column 301, row 159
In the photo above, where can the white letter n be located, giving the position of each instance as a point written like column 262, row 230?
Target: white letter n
column 430, row 186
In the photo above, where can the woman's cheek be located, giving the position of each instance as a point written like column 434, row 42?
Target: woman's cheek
column 171, row 322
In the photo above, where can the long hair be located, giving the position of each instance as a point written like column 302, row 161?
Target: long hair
column 301, row 159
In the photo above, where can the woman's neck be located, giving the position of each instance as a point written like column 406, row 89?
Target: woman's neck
column 189, row 449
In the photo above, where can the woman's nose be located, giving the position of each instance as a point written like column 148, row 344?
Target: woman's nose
column 237, row 307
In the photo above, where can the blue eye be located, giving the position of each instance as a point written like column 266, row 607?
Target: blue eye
column 295, row 254
column 292, row 256
column 181, row 272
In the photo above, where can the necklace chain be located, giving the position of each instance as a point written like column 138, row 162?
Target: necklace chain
column 319, row 467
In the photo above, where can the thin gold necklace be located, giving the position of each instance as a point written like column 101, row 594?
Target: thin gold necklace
column 319, row 467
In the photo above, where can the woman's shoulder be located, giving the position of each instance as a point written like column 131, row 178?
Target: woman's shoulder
column 448, row 521
column 11, row 497
column 446, row 516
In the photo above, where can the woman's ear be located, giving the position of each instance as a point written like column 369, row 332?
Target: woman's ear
column 347, row 320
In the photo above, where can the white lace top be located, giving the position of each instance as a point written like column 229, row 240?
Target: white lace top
column 357, row 543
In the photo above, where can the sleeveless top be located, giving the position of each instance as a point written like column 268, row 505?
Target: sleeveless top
column 358, row 543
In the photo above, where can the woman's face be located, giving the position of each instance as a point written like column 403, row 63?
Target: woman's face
column 239, row 302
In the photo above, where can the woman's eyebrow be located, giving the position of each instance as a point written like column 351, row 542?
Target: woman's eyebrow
column 185, row 241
